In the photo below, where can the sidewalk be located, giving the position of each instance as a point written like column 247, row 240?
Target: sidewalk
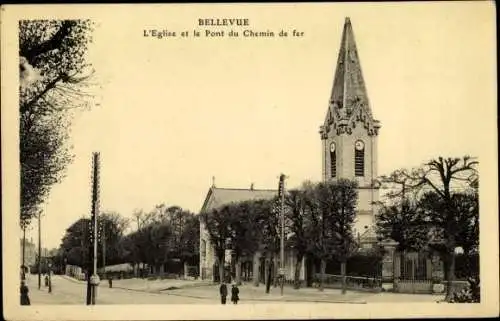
column 257, row 294
column 145, row 285
column 43, row 296
column 155, row 285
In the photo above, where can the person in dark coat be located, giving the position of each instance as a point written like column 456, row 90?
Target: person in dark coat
column 235, row 294
column 223, row 293
column 25, row 299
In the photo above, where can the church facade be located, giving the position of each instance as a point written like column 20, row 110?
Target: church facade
column 349, row 133
column 349, row 150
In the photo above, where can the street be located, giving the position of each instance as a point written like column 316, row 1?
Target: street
column 70, row 291
column 65, row 291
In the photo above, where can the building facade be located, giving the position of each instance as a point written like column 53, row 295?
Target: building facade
column 30, row 253
column 349, row 150
column 217, row 197
column 349, row 132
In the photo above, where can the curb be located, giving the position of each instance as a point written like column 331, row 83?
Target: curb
column 71, row 279
column 270, row 300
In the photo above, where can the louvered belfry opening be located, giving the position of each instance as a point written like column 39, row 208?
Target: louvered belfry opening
column 333, row 163
column 359, row 162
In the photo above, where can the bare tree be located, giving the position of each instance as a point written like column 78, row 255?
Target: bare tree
column 442, row 176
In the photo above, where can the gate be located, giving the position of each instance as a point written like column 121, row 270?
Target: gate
column 414, row 273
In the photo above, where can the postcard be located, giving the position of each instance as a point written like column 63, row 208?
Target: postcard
column 249, row 161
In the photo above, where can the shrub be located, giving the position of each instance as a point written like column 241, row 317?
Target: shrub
column 472, row 294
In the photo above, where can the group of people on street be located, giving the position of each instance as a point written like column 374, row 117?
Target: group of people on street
column 234, row 293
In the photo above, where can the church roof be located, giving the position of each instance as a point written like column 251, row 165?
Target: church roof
column 349, row 101
column 348, row 86
column 217, row 197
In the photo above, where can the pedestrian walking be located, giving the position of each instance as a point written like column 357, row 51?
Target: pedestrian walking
column 235, row 294
column 25, row 299
column 223, row 293
column 110, row 281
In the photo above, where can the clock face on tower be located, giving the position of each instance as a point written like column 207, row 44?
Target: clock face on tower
column 360, row 145
column 332, row 147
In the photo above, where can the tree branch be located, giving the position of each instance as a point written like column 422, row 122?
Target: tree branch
column 50, row 85
column 53, row 43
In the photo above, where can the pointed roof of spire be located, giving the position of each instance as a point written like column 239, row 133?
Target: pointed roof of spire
column 348, row 90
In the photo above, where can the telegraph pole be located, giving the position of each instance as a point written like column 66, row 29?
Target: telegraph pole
column 24, row 250
column 93, row 280
column 103, row 247
column 39, row 250
column 281, row 194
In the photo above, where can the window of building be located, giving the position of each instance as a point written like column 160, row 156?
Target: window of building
column 359, row 158
column 333, row 160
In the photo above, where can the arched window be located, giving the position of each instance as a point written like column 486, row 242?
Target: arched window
column 359, row 158
column 333, row 160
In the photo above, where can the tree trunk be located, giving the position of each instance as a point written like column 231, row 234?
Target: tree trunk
column 343, row 274
column 450, row 277
column 256, row 269
column 298, row 266
column 322, row 274
column 266, row 271
column 221, row 270
column 268, row 275
column 238, row 271
column 275, row 270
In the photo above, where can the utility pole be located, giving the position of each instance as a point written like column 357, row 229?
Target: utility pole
column 103, row 236
column 93, row 280
column 39, row 250
column 24, row 250
column 95, row 213
column 89, row 261
column 281, row 194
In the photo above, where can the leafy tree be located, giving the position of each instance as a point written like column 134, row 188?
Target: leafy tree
column 190, row 240
column 345, row 194
column 401, row 223
column 217, row 222
column 321, row 242
column 245, row 225
column 270, row 224
column 295, row 204
column 53, row 76
column 336, row 212
column 111, row 230
column 75, row 243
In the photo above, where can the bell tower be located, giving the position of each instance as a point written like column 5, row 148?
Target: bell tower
column 349, row 132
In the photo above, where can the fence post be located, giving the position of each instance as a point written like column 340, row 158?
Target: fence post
column 428, row 265
column 388, row 264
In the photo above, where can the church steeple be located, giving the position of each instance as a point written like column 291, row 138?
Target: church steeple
column 348, row 86
column 349, row 96
column 349, row 133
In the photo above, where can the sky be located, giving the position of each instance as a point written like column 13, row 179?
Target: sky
column 174, row 112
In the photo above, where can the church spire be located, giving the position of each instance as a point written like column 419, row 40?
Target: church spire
column 348, row 87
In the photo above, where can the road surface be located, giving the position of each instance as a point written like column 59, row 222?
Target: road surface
column 70, row 291
column 65, row 291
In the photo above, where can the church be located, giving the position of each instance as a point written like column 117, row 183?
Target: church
column 349, row 150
